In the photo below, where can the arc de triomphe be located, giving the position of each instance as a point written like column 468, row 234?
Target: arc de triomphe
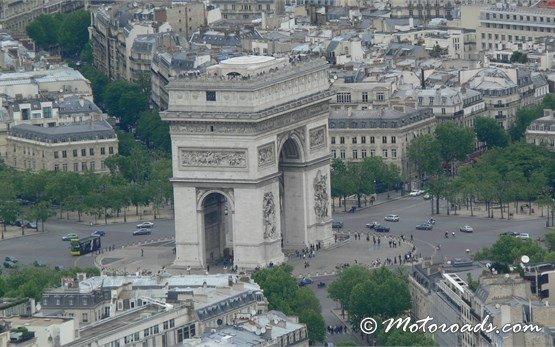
column 251, row 161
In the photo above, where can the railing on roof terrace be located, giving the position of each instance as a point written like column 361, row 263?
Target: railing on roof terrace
column 277, row 72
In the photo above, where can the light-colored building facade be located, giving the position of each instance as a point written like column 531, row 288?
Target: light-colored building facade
column 78, row 147
column 542, row 130
column 386, row 133
column 48, row 331
column 186, row 17
column 251, row 160
column 422, row 9
column 502, row 26
column 245, row 12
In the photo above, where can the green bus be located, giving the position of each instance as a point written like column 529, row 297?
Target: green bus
column 85, row 245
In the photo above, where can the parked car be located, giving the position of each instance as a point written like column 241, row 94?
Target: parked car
column 69, row 237
column 145, row 225
column 524, row 236
column 19, row 223
column 336, row 224
column 381, row 229
column 427, row 196
column 305, row 281
column 461, row 262
column 31, row 225
column 59, row 267
column 415, row 192
column 98, row 233
column 12, row 259
column 466, row 229
column 424, row 226
column 9, row 264
column 372, row 225
column 39, row 263
column 142, row 231
column 392, row 218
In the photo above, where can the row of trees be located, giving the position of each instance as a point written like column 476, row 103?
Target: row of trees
column 380, row 294
column 31, row 282
column 525, row 116
column 508, row 250
column 283, row 294
column 135, row 180
column 68, row 32
column 362, row 178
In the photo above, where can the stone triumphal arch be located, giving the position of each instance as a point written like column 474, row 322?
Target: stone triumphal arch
column 251, row 161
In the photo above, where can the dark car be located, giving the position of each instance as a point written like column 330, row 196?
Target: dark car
column 336, row 224
column 98, row 233
column 39, row 263
column 9, row 264
column 31, row 225
column 12, row 259
column 142, row 232
column 424, row 226
column 381, row 229
column 305, row 281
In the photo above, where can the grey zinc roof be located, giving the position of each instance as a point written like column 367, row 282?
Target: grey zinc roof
column 84, row 131
column 72, row 104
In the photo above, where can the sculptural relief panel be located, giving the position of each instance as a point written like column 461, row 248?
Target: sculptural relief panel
column 215, row 158
column 267, row 155
column 317, row 137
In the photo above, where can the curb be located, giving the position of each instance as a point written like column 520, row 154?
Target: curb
column 26, row 235
column 375, row 204
column 98, row 259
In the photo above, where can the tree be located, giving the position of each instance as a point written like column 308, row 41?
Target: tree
column 455, row 142
column 113, row 94
column 284, row 294
column 40, row 211
column 99, row 81
column 398, row 337
column 525, row 116
column 342, row 287
column 73, row 33
column 44, row 29
column 425, row 152
column 9, row 206
column 550, row 241
column 436, row 51
column 130, row 105
column 342, row 184
column 508, row 250
column 153, row 131
column 373, row 297
column 490, row 132
column 519, row 57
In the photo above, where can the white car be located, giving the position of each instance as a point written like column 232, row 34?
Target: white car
column 392, row 218
column 372, row 225
column 414, row 193
column 145, row 225
column 524, row 236
column 467, row 229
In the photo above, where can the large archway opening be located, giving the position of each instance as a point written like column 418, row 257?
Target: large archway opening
column 218, row 229
column 291, row 196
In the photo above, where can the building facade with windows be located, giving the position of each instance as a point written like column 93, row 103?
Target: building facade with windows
column 386, row 133
column 78, row 147
column 363, row 95
column 501, row 27
column 542, row 131
column 245, row 12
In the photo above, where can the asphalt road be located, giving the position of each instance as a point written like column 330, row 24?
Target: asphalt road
column 415, row 210
column 49, row 248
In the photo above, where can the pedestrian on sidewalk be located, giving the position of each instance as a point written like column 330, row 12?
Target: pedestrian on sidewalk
column 142, row 252
column 411, row 238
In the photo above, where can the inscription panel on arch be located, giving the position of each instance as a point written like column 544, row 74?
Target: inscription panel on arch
column 216, row 158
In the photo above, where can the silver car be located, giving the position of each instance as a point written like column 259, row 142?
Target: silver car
column 392, row 218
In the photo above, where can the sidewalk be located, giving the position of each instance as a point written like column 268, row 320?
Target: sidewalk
column 13, row 232
column 158, row 254
column 380, row 199
column 480, row 211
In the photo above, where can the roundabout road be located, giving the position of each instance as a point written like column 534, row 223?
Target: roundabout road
column 49, row 248
column 415, row 210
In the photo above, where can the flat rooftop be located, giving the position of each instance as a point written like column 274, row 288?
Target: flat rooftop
column 37, row 321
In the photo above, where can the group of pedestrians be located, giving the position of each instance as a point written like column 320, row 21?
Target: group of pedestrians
column 337, row 329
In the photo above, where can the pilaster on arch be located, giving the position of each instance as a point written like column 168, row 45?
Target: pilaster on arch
column 202, row 193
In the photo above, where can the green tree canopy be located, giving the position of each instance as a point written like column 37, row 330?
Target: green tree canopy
column 425, row 152
column 283, row 294
column 508, row 250
column 519, row 57
column 455, row 142
column 44, row 30
column 490, row 132
column 73, row 33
